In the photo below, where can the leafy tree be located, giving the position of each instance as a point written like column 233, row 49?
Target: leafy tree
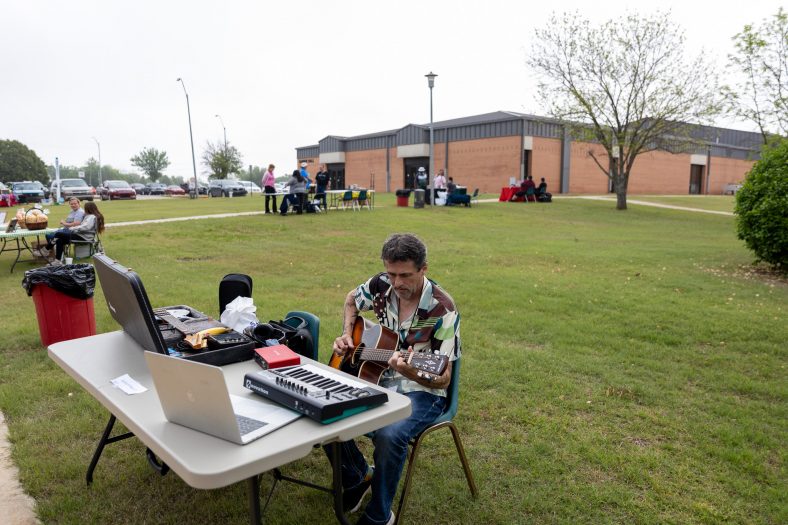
column 152, row 162
column 762, row 206
column 221, row 159
column 761, row 62
column 623, row 84
column 18, row 162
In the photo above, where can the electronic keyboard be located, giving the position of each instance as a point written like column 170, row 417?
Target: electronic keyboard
column 320, row 394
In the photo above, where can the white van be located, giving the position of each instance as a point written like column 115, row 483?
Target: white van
column 250, row 186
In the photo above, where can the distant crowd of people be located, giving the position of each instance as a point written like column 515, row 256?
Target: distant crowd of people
column 299, row 187
column 529, row 192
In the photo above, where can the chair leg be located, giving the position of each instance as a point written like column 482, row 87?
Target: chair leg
column 463, row 459
column 414, row 453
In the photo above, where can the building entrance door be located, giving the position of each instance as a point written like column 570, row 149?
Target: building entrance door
column 696, row 179
column 412, row 166
column 336, row 176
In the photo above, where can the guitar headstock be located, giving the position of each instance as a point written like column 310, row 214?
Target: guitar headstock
column 432, row 363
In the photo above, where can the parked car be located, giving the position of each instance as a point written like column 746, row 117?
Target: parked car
column 116, row 189
column 226, row 188
column 251, row 187
column 73, row 188
column 27, row 191
column 174, row 190
column 138, row 187
column 41, row 185
column 155, row 188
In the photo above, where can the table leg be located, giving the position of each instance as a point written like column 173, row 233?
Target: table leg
column 253, row 489
column 336, row 468
column 18, row 254
column 105, row 439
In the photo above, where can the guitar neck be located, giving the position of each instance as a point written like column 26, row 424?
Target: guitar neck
column 174, row 321
column 434, row 364
column 376, row 354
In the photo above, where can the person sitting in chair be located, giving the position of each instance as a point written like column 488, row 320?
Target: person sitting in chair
column 404, row 300
column 297, row 195
column 73, row 218
column 542, row 189
column 92, row 223
column 527, row 184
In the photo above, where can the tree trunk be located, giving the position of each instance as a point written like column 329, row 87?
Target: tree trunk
column 621, row 181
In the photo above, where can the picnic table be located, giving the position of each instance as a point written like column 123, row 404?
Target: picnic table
column 17, row 241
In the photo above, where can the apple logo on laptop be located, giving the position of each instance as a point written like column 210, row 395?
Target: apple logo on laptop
column 190, row 396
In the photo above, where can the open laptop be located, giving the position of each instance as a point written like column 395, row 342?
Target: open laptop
column 195, row 395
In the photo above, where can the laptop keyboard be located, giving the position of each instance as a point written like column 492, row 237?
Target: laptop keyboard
column 247, row 424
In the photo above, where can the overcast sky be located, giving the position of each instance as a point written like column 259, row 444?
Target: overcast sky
column 280, row 74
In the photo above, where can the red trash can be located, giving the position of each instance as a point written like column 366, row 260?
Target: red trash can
column 62, row 317
column 402, row 198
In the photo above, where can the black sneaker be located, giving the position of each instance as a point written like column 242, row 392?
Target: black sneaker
column 352, row 498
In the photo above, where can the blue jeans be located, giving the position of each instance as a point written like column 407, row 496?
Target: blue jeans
column 391, row 451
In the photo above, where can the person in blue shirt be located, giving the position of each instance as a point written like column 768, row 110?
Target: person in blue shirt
column 305, row 174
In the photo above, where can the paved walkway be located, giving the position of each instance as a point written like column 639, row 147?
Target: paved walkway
column 654, row 204
column 17, row 508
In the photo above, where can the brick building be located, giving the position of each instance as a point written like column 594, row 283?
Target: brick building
column 487, row 151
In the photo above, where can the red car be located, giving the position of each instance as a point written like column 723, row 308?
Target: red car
column 174, row 190
column 116, row 189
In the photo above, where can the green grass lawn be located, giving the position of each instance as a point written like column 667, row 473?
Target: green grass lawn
column 619, row 367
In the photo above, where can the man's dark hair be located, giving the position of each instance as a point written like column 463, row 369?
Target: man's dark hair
column 400, row 247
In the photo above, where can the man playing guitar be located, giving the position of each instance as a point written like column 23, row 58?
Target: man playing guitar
column 426, row 320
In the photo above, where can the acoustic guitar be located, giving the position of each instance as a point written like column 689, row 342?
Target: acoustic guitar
column 373, row 347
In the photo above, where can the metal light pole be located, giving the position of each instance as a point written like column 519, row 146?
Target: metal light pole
column 431, row 175
column 99, row 159
column 191, row 138
column 225, row 131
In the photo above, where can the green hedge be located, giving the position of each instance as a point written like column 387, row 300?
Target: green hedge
column 762, row 206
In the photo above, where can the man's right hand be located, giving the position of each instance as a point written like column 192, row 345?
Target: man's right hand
column 343, row 344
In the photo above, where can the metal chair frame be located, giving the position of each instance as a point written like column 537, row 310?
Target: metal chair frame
column 95, row 247
column 443, row 421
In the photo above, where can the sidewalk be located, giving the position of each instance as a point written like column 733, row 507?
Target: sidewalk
column 16, row 507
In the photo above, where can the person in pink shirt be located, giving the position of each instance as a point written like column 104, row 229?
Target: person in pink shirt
column 269, row 188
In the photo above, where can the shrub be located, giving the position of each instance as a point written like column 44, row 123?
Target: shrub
column 762, row 206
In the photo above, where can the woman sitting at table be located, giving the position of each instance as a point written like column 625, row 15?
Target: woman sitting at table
column 92, row 223
column 297, row 195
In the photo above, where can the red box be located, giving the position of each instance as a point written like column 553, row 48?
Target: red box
column 62, row 317
column 276, row 357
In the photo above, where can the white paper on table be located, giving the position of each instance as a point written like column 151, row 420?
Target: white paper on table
column 128, row 385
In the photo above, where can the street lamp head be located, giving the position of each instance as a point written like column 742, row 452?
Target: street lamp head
column 431, row 79
column 179, row 79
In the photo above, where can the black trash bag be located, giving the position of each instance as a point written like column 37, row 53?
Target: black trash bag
column 402, row 193
column 74, row 280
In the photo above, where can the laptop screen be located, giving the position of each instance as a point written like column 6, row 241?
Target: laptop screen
column 128, row 303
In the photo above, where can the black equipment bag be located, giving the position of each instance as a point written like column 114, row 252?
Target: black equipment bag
column 292, row 332
column 231, row 286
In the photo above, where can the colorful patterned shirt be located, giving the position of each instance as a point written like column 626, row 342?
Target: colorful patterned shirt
column 434, row 326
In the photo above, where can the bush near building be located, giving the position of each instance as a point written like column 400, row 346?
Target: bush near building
column 762, row 206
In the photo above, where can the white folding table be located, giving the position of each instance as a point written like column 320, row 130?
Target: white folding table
column 201, row 460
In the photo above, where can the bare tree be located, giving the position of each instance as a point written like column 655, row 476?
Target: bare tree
column 761, row 64
column 624, row 84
